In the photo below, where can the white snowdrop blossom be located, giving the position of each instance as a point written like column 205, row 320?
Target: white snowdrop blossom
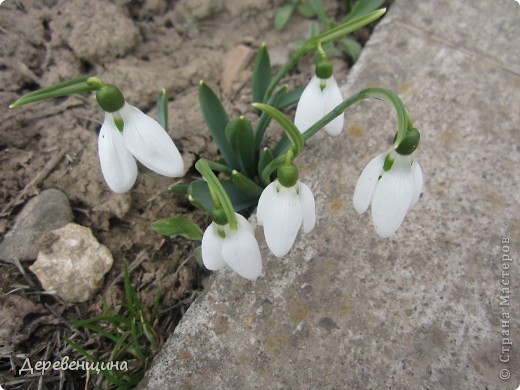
column 143, row 138
column 391, row 194
column 238, row 249
column 316, row 102
column 282, row 211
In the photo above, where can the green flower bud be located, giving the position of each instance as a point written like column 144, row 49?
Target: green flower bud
column 219, row 216
column 409, row 143
column 323, row 69
column 287, row 175
column 110, row 98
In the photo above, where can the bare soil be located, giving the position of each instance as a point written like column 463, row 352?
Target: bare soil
column 140, row 46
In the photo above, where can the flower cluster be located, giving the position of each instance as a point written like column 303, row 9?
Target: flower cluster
column 391, row 183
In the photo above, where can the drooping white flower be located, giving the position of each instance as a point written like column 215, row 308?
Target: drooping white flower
column 149, row 143
column 143, row 138
column 238, row 249
column 316, row 102
column 282, row 211
column 117, row 163
column 391, row 194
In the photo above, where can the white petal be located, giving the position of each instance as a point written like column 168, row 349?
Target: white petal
column 367, row 183
column 150, row 143
column 282, row 220
column 308, row 207
column 212, row 248
column 331, row 98
column 117, row 164
column 266, row 199
column 417, row 182
column 310, row 107
column 241, row 252
column 392, row 198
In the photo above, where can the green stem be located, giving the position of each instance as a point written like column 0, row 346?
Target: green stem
column 66, row 92
column 271, row 167
column 328, row 36
column 374, row 93
column 220, row 167
column 323, row 55
column 288, row 126
column 215, row 187
column 57, row 90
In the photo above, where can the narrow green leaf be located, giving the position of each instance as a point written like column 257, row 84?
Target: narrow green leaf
column 351, row 48
column 261, row 74
column 242, row 141
column 199, row 191
column 80, row 350
column 174, row 226
column 217, row 119
column 112, row 318
column 289, row 98
column 283, row 15
column 246, row 185
column 288, row 126
column 162, row 109
column 363, row 7
column 264, row 159
column 180, row 189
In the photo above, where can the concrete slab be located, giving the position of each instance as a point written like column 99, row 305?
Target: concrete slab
column 422, row 310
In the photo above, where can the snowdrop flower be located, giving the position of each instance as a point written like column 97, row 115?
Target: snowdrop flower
column 391, row 192
column 319, row 97
column 282, row 210
column 142, row 137
column 238, row 249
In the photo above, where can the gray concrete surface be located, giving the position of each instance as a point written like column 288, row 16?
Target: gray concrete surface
column 422, row 310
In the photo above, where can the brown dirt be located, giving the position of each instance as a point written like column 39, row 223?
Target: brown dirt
column 141, row 46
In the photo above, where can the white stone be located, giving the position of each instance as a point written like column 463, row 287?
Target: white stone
column 72, row 263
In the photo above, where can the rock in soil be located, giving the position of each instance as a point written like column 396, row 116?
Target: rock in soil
column 48, row 211
column 72, row 263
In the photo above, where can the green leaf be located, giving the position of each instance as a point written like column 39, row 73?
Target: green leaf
column 264, row 159
column 283, row 15
column 306, row 10
column 289, row 98
column 174, row 226
column 288, row 126
column 162, row 109
column 242, row 141
column 319, row 9
column 246, row 185
column 217, row 119
column 180, row 189
column 363, row 7
column 261, row 74
column 343, row 29
column 201, row 196
column 197, row 252
column 351, row 48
